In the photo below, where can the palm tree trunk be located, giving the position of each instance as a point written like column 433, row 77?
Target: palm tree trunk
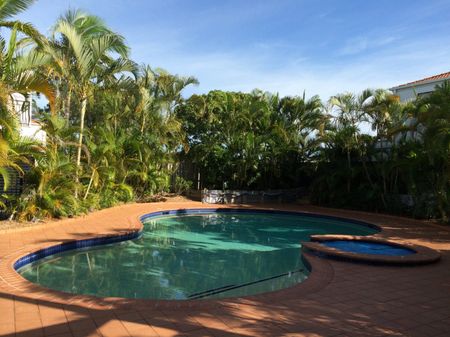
column 62, row 104
column 143, row 124
column 67, row 103
column 80, row 141
column 89, row 185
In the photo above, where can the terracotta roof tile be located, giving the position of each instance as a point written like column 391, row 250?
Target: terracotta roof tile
column 427, row 79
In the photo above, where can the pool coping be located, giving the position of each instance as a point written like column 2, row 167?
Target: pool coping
column 422, row 254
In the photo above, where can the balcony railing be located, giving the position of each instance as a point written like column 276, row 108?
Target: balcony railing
column 23, row 110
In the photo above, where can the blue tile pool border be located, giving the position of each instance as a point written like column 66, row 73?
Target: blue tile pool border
column 105, row 240
column 72, row 245
column 191, row 211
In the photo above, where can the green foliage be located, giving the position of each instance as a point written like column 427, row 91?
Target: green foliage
column 119, row 132
column 49, row 191
column 182, row 185
column 255, row 140
column 403, row 168
column 10, row 8
column 433, row 122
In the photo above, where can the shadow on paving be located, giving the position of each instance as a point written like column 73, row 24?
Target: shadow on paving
column 361, row 300
column 302, row 317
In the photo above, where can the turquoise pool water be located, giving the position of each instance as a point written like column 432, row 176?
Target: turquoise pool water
column 193, row 256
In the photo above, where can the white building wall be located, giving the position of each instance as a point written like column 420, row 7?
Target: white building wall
column 23, row 107
column 33, row 131
column 409, row 93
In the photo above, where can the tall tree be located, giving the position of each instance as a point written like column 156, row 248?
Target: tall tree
column 349, row 112
column 91, row 56
column 19, row 71
column 433, row 123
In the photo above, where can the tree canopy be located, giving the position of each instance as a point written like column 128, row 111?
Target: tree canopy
column 118, row 131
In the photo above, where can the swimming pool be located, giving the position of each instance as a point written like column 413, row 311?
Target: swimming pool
column 192, row 254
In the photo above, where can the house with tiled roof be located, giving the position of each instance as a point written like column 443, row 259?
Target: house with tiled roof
column 411, row 90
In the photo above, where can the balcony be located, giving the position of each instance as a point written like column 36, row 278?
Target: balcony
column 29, row 127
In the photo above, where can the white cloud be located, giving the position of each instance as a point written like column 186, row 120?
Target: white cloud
column 244, row 70
column 363, row 43
column 383, row 57
column 354, row 46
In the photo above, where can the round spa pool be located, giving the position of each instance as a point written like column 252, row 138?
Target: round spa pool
column 190, row 254
column 367, row 247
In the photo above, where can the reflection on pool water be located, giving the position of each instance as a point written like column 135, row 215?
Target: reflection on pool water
column 193, row 256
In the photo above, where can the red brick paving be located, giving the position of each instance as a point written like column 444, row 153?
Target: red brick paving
column 338, row 299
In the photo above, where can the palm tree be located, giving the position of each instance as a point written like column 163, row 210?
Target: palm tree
column 22, row 71
column 433, row 115
column 91, row 61
column 349, row 110
column 168, row 88
column 144, row 83
column 88, row 27
column 19, row 71
column 10, row 8
column 384, row 111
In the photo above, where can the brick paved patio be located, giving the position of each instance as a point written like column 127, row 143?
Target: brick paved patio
column 339, row 298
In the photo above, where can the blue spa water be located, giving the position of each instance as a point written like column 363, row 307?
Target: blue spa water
column 362, row 247
column 193, row 256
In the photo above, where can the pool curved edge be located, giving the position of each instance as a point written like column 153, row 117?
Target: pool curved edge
column 189, row 211
column 321, row 272
column 108, row 239
column 73, row 245
column 422, row 255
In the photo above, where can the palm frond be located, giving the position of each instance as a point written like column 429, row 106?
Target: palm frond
column 10, row 8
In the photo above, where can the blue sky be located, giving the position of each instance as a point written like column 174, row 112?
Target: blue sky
column 322, row 47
